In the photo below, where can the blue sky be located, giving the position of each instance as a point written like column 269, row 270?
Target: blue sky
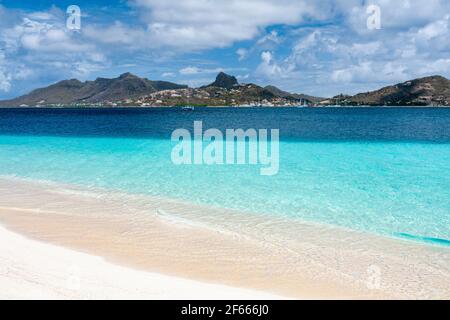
column 319, row 47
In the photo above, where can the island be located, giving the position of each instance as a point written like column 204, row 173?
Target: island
column 131, row 90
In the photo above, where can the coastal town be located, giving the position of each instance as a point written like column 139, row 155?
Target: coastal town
column 216, row 97
column 213, row 96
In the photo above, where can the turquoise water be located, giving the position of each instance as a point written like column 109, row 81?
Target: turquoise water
column 394, row 187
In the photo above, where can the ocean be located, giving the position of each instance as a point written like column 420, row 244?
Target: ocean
column 379, row 170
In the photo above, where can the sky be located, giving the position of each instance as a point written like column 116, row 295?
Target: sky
column 317, row 47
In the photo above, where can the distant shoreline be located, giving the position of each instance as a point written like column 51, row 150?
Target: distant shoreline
column 230, row 107
column 131, row 90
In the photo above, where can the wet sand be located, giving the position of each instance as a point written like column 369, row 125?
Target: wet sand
column 36, row 270
column 285, row 258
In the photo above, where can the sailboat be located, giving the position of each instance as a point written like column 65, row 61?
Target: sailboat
column 188, row 107
column 303, row 104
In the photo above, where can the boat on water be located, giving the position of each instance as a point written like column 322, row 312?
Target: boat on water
column 187, row 106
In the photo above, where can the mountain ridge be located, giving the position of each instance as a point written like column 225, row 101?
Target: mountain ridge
column 425, row 91
column 129, row 89
column 100, row 90
column 285, row 94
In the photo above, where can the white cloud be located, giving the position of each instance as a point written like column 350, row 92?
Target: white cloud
column 266, row 57
column 84, row 68
column 190, row 70
column 268, row 42
column 400, row 14
column 366, row 49
column 196, row 70
column 203, row 24
column 441, row 66
column 5, row 81
column 433, row 30
column 359, row 60
column 119, row 33
column 48, row 35
column 168, row 75
column 368, row 71
column 268, row 68
column 36, row 46
column 270, row 38
column 242, row 54
column 9, row 73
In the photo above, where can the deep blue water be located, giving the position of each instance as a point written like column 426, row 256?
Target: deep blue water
column 364, row 124
column 381, row 170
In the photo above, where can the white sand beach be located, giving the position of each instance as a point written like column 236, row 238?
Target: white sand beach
column 148, row 253
column 33, row 270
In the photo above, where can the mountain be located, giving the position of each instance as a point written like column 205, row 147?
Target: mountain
column 246, row 93
column 287, row 95
column 69, row 92
column 224, row 80
column 224, row 91
column 130, row 90
column 428, row 91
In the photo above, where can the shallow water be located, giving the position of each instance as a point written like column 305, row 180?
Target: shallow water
column 386, row 171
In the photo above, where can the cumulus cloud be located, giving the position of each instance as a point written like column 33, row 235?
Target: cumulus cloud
column 242, row 53
column 10, row 73
column 397, row 15
column 267, row 42
column 119, row 33
column 36, row 46
column 369, row 71
column 268, row 68
column 190, row 70
column 5, row 81
column 269, row 39
column 315, row 46
column 413, row 42
column 203, row 24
